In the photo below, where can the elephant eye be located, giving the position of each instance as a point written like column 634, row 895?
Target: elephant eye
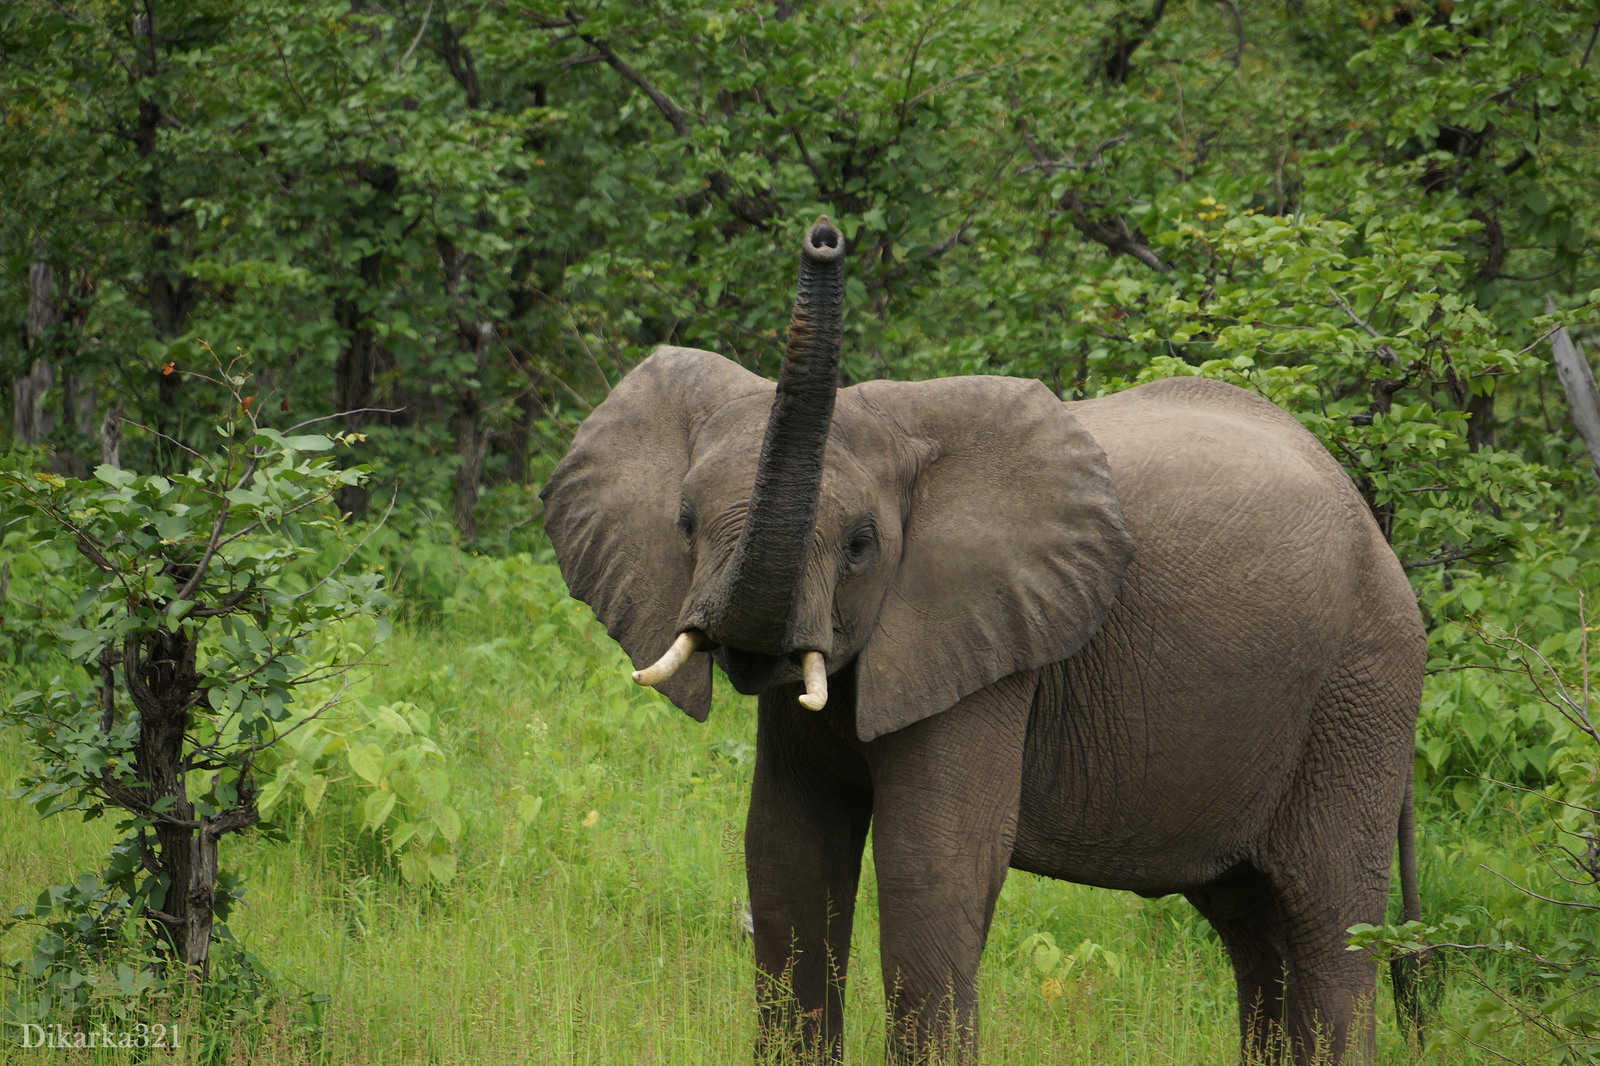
column 862, row 545
column 686, row 522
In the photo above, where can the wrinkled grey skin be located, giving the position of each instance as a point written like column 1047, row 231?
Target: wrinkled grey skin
column 1152, row 641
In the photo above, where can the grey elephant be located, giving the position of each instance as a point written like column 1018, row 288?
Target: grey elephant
column 1152, row 641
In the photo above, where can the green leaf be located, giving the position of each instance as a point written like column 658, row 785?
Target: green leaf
column 414, row 866
column 442, row 865
column 376, row 809
column 312, row 791
column 367, row 760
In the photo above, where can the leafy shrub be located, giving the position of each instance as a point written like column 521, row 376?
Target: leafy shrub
column 195, row 603
column 1536, row 956
column 385, row 755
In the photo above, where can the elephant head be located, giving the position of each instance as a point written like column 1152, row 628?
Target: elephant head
column 939, row 535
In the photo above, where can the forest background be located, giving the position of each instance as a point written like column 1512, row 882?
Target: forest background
column 447, row 227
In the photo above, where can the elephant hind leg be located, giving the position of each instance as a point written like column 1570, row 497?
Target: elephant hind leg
column 1329, row 851
column 1243, row 910
column 1331, row 991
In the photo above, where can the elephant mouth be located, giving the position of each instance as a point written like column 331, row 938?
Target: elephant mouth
column 753, row 672
column 750, row 672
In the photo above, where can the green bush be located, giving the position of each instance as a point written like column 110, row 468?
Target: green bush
column 197, row 606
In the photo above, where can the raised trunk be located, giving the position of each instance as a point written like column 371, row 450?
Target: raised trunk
column 756, row 596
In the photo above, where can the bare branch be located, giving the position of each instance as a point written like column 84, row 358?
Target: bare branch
column 393, row 496
column 1439, row 560
column 1238, row 29
column 669, row 110
column 1577, row 381
column 1385, row 353
column 1116, row 236
column 346, row 414
column 1066, row 162
column 426, row 15
column 1530, row 892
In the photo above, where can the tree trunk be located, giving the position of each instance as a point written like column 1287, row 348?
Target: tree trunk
column 472, row 439
column 1480, row 419
column 111, row 436
column 31, row 420
column 1583, row 398
column 158, row 670
column 354, row 374
column 520, row 444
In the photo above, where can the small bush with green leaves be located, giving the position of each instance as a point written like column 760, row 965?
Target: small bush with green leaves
column 196, row 605
column 1535, row 954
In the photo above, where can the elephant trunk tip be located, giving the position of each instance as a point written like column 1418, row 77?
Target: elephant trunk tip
column 824, row 243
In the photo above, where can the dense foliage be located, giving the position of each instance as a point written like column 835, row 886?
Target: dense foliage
column 453, row 223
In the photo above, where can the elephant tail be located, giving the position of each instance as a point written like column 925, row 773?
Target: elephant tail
column 1406, row 971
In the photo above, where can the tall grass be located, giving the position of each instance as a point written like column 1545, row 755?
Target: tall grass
column 611, row 929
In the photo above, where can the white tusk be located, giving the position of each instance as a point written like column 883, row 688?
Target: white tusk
column 816, row 670
column 673, row 660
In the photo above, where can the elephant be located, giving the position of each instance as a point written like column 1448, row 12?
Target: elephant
column 1151, row 641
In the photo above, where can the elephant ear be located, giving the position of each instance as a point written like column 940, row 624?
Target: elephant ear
column 1013, row 551
column 611, row 506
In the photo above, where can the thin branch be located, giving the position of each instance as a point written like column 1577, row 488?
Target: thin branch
column 811, row 164
column 1530, row 892
column 1447, row 557
column 899, row 270
column 1238, row 29
column 253, row 750
column 417, row 39
column 669, row 110
column 911, row 70
column 1385, row 353
column 580, row 61
column 1118, row 236
column 214, row 541
column 225, row 605
column 1066, row 162
column 165, row 437
column 393, row 496
column 346, row 414
column 934, row 90
column 1034, row 150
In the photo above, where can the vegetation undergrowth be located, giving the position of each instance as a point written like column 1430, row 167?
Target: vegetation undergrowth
column 595, row 912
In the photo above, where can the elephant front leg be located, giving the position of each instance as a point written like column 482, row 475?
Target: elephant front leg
column 946, row 792
column 803, row 842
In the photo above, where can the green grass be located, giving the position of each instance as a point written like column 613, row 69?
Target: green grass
column 615, row 936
